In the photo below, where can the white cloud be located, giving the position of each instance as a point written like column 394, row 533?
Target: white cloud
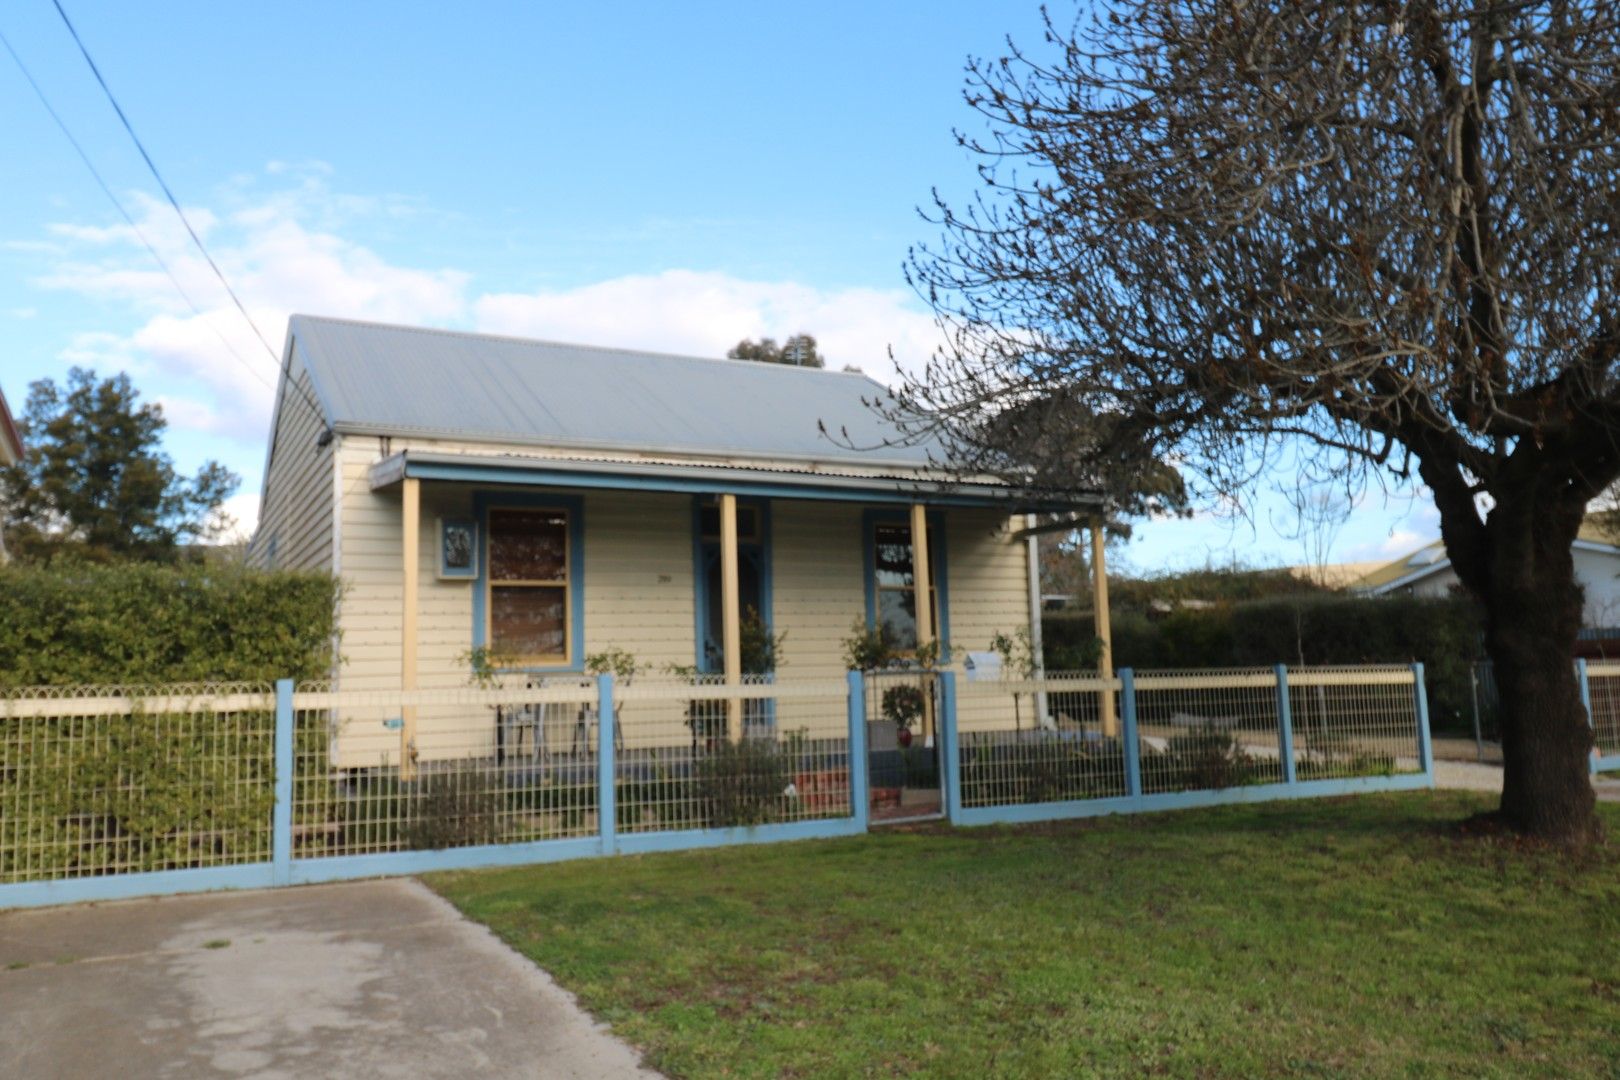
column 285, row 251
column 242, row 509
column 210, row 371
column 706, row 313
column 1418, row 527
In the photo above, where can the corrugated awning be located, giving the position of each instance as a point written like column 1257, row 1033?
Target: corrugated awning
column 711, row 478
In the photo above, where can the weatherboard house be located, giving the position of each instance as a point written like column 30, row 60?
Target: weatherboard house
column 541, row 502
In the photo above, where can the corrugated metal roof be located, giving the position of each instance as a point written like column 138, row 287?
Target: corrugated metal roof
column 402, row 380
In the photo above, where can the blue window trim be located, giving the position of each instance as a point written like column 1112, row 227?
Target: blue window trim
column 870, row 519
column 700, row 621
column 483, row 502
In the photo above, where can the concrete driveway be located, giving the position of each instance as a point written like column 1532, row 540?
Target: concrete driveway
column 371, row 979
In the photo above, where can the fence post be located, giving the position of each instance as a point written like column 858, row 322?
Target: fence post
column 607, row 810
column 860, row 798
column 1133, row 745
column 1586, row 703
column 1285, row 727
column 1420, row 702
column 281, row 816
column 1473, row 693
column 951, row 746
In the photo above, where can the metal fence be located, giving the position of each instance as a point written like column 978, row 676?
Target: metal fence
column 122, row 792
column 1600, row 690
column 1185, row 738
column 1599, row 684
column 117, row 780
column 1038, row 741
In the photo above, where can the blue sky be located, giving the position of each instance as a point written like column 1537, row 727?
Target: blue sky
column 657, row 175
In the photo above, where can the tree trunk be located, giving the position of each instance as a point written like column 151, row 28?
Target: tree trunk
column 1533, row 607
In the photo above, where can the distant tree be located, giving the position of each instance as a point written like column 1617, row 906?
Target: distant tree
column 95, row 483
column 798, row 350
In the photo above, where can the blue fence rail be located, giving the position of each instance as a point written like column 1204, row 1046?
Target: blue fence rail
column 285, row 785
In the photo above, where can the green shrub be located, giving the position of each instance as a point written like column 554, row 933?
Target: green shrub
column 455, row 807
column 1208, row 758
column 135, row 623
column 1441, row 633
column 1004, row 774
column 147, row 791
column 742, row 783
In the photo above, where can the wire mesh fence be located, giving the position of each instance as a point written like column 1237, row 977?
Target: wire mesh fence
column 697, row 754
column 1202, row 730
column 1603, row 686
column 1035, row 741
column 108, row 781
column 490, row 767
column 1353, row 722
column 111, row 780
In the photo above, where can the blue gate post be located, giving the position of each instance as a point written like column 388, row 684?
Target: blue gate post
column 860, row 797
column 607, row 810
column 1285, row 727
column 281, row 816
column 1420, row 701
column 1133, row 745
column 951, row 746
column 1586, row 703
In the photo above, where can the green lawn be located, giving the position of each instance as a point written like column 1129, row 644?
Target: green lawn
column 1349, row 937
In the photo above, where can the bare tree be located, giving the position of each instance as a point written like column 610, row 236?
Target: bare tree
column 1383, row 231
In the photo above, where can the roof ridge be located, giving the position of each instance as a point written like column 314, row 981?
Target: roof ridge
column 576, row 345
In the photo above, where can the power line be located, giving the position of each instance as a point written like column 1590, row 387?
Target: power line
column 124, row 213
column 275, row 357
column 174, row 202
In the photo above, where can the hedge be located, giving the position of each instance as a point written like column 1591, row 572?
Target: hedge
column 137, row 623
column 1444, row 634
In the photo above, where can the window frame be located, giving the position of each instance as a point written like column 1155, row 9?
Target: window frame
column 939, row 593
column 759, row 539
column 485, row 504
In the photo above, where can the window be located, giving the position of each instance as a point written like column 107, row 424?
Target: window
column 528, row 583
column 894, row 584
column 753, row 576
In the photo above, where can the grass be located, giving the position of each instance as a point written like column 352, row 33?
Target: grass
column 1352, row 937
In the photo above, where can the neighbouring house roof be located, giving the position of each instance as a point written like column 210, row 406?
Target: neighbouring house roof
column 11, row 447
column 640, row 418
column 1334, row 575
column 1431, row 559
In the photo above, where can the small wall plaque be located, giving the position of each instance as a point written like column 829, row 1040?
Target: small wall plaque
column 458, row 548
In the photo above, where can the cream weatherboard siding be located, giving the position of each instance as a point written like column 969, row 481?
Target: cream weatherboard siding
column 295, row 518
column 639, row 595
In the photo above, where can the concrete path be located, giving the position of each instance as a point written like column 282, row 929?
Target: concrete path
column 1469, row 776
column 371, row 979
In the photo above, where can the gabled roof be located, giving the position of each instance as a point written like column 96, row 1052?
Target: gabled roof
column 393, row 380
column 1432, row 559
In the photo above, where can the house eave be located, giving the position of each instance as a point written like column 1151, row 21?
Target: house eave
column 713, row 479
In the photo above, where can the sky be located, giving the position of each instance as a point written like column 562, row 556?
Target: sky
column 665, row 176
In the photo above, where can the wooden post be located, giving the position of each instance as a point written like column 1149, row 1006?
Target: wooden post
column 731, row 615
column 924, row 600
column 410, row 540
column 1105, row 659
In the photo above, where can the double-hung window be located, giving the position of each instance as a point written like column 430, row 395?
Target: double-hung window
column 894, row 584
column 528, row 601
